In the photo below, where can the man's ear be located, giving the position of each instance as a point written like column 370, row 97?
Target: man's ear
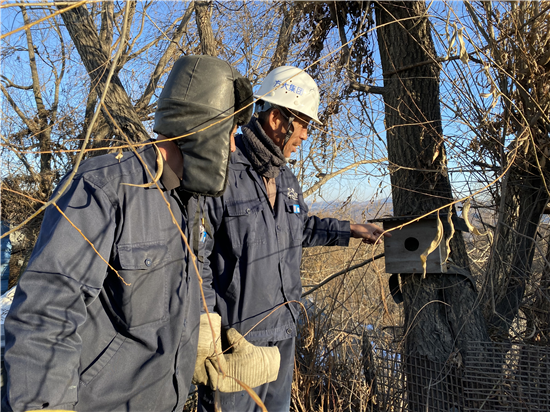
column 275, row 119
column 272, row 124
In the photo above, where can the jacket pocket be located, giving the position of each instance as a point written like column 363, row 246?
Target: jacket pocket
column 245, row 221
column 141, row 296
column 295, row 212
column 95, row 368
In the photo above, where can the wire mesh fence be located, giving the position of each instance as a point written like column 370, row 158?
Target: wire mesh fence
column 501, row 377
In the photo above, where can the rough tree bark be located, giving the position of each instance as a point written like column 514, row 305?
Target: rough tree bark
column 511, row 262
column 441, row 311
column 291, row 16
column 86, row 39
column 203, row 14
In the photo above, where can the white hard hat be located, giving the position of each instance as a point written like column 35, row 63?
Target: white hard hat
column 291, row 87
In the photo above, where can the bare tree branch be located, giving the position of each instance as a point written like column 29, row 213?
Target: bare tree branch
column 329, row 176
column 28, row 122
column 34, row 69
column 9, row 83
column 366, row 88
column 169, row 53
column 21, row 157
column 342, row 272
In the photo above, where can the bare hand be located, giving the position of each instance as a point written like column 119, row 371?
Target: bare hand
column 370, row 233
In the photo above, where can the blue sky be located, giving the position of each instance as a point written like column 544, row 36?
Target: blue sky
column 362, row 128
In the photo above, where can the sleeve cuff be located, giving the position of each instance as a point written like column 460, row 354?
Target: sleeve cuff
column 345, row 233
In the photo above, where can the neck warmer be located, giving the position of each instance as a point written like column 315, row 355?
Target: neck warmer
column 261, row 151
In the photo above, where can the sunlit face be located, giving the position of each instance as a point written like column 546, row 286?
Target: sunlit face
column 299, row 134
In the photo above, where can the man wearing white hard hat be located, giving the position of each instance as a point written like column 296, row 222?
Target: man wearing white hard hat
column 261, row 223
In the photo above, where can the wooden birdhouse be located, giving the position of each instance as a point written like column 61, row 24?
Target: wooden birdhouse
column 403, row 249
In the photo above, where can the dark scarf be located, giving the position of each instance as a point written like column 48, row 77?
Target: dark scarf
column 261, row 151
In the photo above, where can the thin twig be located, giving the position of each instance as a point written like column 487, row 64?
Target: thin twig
column 342, row 272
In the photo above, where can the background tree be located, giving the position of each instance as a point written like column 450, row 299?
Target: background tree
column 516, row 130
column 441, row 313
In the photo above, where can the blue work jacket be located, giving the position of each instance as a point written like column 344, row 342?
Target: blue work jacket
column 113, row 326
column 255, row 263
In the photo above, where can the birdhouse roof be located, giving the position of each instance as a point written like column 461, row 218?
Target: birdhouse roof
column 458, row 222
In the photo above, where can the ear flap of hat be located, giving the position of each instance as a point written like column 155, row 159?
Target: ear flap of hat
column 244, row 98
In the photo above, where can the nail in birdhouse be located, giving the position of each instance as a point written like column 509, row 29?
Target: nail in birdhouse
column 403, row 249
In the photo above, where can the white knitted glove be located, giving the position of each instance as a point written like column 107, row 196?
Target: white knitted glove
column 249, row 364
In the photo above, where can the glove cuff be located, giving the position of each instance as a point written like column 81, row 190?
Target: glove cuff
column 205, row 333
column 206, row 346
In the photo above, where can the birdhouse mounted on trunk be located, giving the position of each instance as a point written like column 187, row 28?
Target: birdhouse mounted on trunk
column 403, row 249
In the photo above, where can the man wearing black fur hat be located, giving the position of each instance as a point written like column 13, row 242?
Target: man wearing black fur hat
column 106, row 317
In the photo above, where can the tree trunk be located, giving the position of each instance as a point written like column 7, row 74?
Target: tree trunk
column 524, row 200
column 84, row 35
column 441, row 313
column 291, row 16
column 203, row 15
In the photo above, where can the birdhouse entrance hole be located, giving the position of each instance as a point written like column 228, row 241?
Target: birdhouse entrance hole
column 412, row 244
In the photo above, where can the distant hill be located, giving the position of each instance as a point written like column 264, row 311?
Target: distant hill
column 354, row 211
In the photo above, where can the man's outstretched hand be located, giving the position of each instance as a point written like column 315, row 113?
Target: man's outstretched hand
column 370, row 233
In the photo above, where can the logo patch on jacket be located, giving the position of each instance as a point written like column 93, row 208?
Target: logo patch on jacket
column 292, row 194
column 202, row 233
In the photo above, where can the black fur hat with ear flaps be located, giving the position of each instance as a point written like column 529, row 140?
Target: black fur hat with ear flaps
column 197, row 103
